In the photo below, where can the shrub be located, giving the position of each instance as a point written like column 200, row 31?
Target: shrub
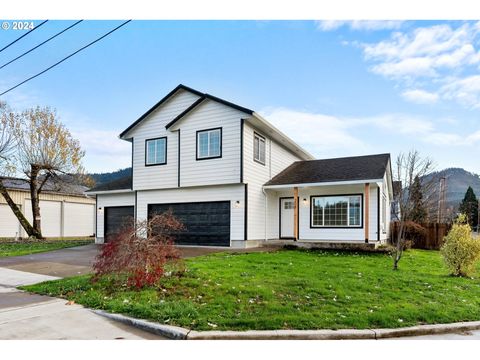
column 460, row 250
column 139, row 252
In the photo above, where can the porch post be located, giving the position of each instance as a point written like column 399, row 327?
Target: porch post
column 295, row 213
column 367, row 210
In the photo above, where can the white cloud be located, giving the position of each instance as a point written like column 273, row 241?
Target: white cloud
column 464, row 90
column 104, row 151
column 420, row 96
column 329, row 25
column 439, row 55
column 319, row 133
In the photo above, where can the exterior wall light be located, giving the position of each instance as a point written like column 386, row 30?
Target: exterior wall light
column 237, row 203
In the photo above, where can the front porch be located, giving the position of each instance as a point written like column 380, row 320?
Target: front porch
column 326, row 215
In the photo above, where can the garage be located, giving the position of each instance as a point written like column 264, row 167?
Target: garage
column 79, row 219
column 9, row 225
column 115, row 218
column 206, row 223
column 51, row 214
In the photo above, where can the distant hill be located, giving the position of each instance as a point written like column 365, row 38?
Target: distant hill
column 458, row 180
column 102, row 178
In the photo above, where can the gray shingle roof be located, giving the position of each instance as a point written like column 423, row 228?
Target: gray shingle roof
column 329, row 170
column 124, row 183
column 51, row 186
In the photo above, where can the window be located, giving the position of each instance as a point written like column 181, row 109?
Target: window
column 336, row 211
column 156, row 151
column 259, row 148
column 287, row 205
column 209, row 144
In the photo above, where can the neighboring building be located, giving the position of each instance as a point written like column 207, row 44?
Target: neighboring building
column 235, row 180
column 64, row 208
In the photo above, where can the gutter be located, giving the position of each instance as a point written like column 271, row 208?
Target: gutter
column 352, row 182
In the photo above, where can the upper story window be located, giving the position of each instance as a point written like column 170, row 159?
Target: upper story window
column 156, row 151
column 209, row 144
column 259, row 148
column 336, row 211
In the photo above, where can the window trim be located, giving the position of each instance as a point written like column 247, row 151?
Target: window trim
column 166, row 150
column 337, row 227
column 256, row 134
column 196, row 144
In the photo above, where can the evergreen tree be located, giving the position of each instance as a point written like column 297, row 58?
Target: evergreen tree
column 469, row 207
column 419, row 211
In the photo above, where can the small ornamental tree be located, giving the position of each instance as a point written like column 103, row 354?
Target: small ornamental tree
column 460, row 250
column 139, row 252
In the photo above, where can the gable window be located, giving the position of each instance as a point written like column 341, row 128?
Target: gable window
column 336, row 211
column 209, row 144
column 156, row 151
column 259, row 148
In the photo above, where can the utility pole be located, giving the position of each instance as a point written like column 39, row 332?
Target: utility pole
column 441, row 199
column 478, row 221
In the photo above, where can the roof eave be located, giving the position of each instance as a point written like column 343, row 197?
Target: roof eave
column 100, row 192
column 325, row 183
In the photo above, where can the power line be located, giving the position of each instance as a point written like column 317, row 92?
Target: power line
column 42, row 43
column 21, row 37
column 65, row 58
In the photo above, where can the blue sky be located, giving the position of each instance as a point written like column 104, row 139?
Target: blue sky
column 337, row 88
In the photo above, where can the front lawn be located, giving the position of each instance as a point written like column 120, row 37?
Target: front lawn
column 27, row 248
column 291, row 289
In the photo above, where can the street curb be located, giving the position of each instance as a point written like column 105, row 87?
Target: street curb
column 178, row 333
column 172, row 332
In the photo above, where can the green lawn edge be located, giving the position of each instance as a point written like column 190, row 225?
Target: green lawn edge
column 290, row 289
column 8, row 249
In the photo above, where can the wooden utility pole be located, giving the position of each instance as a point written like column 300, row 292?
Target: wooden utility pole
column 442, row 199
column 367, row 210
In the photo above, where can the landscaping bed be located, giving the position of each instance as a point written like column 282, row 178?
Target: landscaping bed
column 13, row 248
column 290, row 289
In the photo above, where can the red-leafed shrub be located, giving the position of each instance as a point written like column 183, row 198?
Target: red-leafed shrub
column 139, row 252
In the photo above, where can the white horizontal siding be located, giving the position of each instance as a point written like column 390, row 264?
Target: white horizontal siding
column 106, row 200
column 277, row 158
column 232, row 193
column 224, row 170
column 160, row 176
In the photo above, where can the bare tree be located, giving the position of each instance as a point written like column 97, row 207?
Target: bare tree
column 407, row 168
column 45, row 151
column 8, row 143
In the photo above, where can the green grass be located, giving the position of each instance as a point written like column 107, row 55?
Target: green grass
column 27, row 248
column 290, row 289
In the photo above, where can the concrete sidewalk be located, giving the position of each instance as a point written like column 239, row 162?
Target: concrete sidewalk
column 30, row 317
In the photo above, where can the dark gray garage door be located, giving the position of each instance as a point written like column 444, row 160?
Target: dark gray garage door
column 115, row 218
column 206, row 223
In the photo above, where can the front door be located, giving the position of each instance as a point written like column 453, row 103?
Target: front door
column 286, row 217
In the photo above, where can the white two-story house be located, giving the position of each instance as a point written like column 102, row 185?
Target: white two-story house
column 235, row 180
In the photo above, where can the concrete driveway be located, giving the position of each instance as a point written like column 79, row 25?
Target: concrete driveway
column 29, row 316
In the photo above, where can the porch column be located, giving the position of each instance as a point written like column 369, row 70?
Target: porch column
column 295, row 213
column 367, row 211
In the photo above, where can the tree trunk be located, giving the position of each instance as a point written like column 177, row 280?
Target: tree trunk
column 399, row 245
column 37, row 226
column 18, row 213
